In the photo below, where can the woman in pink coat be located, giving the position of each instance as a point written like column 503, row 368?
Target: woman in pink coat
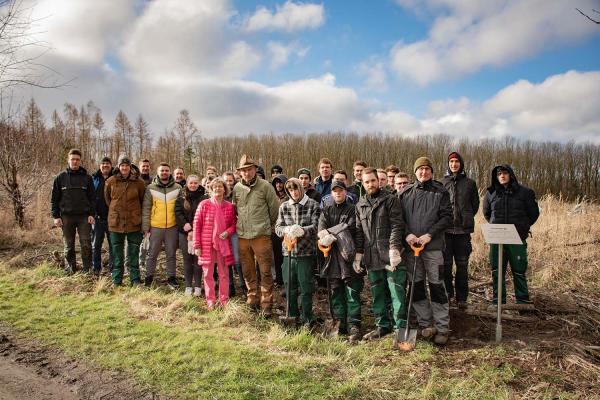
column 214, row 223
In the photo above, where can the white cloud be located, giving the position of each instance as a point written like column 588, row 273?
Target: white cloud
column 469, row 35
column 290, row 17
column 375, row 74
column 280, row 53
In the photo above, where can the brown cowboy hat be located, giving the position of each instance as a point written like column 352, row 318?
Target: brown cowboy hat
column 246, row 162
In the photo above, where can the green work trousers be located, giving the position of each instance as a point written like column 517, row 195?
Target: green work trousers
column 516, row 255
column 302, row 283
column 388, row 290
column 345, row 301
column 117, row 242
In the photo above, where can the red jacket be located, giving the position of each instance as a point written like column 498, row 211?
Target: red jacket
column 204, row 221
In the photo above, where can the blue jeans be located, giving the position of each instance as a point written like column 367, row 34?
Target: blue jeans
column 99, row 232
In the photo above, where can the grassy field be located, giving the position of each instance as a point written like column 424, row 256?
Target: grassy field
column 173, row 346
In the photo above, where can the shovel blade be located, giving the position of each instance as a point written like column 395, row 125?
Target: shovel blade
column 405, row 342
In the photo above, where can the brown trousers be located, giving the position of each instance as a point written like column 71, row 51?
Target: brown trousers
column 261, row 249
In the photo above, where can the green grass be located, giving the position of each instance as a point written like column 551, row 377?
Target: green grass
column 172, row 345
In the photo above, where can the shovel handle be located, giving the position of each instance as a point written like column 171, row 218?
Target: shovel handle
column 417, row 249
column 289, row 243
column 324, row 249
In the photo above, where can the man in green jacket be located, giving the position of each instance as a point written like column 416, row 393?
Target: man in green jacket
column 257, row 208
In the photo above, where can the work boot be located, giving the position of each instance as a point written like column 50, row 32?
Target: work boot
column 441, row 339
column 135, row 283
column 377, row 333
column 354, row 334
column 267, row 313
column 428, row 332
column 462, row 305
column 172, row 283
column 148, row 280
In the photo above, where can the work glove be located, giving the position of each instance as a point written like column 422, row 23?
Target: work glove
column 356, row 264
column 224, row 235
column 426, row 238
column 296, row 231
column 327, row 240
column 323, row 233
column 197, row 252
column 411, row 239
column 395, row 258
column 190, row 248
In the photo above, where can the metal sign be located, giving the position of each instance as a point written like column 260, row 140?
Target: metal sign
column 500, row 234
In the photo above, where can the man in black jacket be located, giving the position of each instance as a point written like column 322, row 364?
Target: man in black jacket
column 73, row 209
column 100, row 227
column 508, row 202
column 378, row 241
column 464, row 198
column 428, row 213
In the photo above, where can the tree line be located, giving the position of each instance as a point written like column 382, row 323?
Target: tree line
column 33, row 149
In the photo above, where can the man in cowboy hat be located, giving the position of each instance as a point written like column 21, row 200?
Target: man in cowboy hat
column 257, row 207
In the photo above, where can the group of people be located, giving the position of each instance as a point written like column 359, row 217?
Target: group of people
column 295, row 232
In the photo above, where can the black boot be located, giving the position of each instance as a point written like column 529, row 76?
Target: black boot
column 377, row 333
column 148, row 280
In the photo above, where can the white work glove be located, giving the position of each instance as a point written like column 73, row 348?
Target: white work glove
column 327, row 240
column 296, row 231
column 356, row 264
column 197, row 252
column 190, row 247
column 426, row 238
column 395, row 258
column 411, row 239
column 323, row 233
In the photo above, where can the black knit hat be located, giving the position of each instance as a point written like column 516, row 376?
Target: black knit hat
column 106, row 159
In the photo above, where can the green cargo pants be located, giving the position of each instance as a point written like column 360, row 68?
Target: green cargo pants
column 117, row 242
column 345, row 301
column 389, row 297
column 302, row 281
column 516, row 255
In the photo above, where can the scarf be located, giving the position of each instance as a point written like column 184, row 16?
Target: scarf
column 220, row 245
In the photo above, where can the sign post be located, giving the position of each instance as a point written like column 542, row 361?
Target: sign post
column 500, row 234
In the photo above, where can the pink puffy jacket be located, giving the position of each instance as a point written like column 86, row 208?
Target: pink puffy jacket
column 204, row 221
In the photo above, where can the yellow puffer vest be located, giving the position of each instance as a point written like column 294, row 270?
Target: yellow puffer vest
column 159, row 204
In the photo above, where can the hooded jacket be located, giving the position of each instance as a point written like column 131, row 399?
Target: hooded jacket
column 379, row 228
column 305, row 213
column 283, row 196
column 124, row 197
column 185, row 215
column 159, row 204
column 464, row 198
column 73, row 194
column 99, row 181
column 337, row 219
column 427, row 209
column 257, row 206
column 514, row 204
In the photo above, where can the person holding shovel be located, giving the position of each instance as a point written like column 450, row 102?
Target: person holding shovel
column 337, row 227
column 428, row 213
column 298, row 219
column 378, row 241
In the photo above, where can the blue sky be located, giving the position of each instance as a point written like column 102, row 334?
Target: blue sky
column 462, row 67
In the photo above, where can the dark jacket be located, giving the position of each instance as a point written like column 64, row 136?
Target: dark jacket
column 73, row 194
column 124, row 198
column 282, row 196
column 313, row 194
column 357, row 189
column 146, row 178
column 514, row 204
column 323, row 187
column 427, row 209
column 101, row 207
column 464, row 198
column 185, row 215
column 334, row 218
column 379, row 228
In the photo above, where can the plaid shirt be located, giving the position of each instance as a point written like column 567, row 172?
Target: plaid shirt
column 306, row 214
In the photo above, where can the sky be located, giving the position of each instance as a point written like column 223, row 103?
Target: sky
column 470, row 68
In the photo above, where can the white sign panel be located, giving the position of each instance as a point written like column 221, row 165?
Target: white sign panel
column 500, row 234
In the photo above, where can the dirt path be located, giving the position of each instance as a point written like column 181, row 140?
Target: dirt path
column 31, row 371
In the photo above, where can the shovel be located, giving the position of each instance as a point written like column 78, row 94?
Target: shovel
column 287, row 320
column 406, row 339
column 331, row 326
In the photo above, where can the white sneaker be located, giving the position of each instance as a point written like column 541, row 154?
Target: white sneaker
column 197, row 291
column 188, row 291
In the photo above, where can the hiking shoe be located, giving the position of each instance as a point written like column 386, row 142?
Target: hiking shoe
column 377, row 333
column 136, row 283
column 189, row 291
column 462, row 305
column 428, row 332
column 148, row 280
column 172, row 283
column 197, row 291
column 354, row 334
column 267, row 313
column 441, row 339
